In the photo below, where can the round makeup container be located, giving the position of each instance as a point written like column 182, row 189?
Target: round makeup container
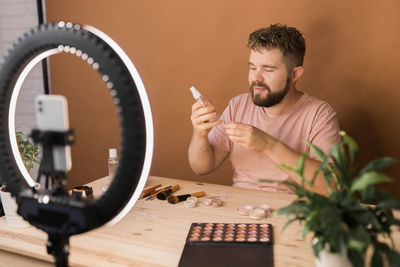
column 195, row 199
column 245, row 210
column 216, row 203
column 266, row 208
column 189, row 203
column 257, row 214
column 207, row 201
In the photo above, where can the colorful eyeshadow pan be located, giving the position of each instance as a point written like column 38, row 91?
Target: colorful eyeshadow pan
column 230, row 233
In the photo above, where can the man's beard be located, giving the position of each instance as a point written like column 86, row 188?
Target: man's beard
column 271, row 99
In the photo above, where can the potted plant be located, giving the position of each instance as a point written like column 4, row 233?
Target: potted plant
column 344, row 224
column 30, row 156
column 29, row 151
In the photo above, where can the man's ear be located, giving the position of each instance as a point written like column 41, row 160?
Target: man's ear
column 297, row 72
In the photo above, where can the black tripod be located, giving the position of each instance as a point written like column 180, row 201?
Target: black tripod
column 58, row 242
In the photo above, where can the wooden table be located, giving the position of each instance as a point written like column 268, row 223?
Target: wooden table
column 154, row 232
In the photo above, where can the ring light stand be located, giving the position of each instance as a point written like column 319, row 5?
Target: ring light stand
column 59, row 214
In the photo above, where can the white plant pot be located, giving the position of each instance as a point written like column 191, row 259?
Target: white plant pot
column 10, row 209
column 329, row 259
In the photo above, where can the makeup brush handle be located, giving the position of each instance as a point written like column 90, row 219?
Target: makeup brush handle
column 198, row 194
column 174, row 188
column 150, row 190
column 175, row 199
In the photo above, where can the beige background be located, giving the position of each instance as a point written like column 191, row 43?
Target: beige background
column 351, row 61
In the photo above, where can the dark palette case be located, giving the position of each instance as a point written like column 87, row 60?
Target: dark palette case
column 223, row 244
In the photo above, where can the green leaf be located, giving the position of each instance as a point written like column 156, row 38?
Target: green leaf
column 393, row 258
column 305, row 230
column 376, row 260
column 300, row 164
column 356, row 245
column 338, row 155
column 371, row 195
column 352, row 145
column 394, row 221
column 364, row 217
column 382, row 247
column 315, row 176
column 317, row 200
column 300, row 170
column 329, row 173
column 311, row 221
column 378, row 164
column 288, row 222
column 320, row 154
column 298, row 209
column 286, row 167
column 369, row 179
column 337, row 152
column 389, row 204
column 340, row 237
column 299, row 190
column 317, row 246
column 357, row 259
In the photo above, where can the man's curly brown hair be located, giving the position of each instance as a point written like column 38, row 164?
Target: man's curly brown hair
column 288, row 39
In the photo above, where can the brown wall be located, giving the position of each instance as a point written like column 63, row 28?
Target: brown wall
column 351, row 62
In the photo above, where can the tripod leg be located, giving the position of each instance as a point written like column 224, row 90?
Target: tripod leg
column 58, row 246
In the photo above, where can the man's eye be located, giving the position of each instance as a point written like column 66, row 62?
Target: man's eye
column 269, row 70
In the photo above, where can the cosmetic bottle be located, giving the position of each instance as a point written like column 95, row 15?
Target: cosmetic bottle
column 112, row 162
column 199, row 98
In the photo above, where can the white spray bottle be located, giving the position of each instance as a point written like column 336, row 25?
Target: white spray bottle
column 199, row 98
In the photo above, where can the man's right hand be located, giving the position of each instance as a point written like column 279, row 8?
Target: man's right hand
column 202, row 158
column 201, row 117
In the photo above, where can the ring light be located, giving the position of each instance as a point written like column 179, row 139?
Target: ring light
column 133, row 108
column 13, row 107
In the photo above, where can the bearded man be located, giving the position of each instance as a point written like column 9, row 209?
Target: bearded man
column 271, row 124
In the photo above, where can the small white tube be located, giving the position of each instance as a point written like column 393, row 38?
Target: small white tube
column 199, row 98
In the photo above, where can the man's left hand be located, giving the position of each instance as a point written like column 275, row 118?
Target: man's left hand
column 248, row 136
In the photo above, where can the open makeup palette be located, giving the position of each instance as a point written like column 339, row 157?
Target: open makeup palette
column 228, row 244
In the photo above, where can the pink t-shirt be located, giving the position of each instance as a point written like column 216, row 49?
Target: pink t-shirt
column 309, row 119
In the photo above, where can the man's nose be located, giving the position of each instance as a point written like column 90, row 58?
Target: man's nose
column 257, row 77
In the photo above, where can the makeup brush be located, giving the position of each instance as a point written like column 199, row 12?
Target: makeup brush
column 166, row 193
column 153, row 196
column 148, row 191
column 176, row 199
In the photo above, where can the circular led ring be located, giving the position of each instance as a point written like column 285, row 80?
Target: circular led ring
column 126, row 88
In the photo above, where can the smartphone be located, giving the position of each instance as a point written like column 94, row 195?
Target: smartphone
column 51, row 112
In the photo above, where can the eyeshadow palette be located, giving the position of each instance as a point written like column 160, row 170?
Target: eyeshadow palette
column 230, row 233
column 228, row 244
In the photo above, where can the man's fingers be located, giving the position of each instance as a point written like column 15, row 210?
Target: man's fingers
column 236, row 139
column 205, row 118
column 196, row 105
column 215, row 123
column 234, row 132
column 238, row 128
column 208, row 125
column 199, row 107
column 235, row 129
column 236, row 125
column 201, row 115
column 239, row 140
